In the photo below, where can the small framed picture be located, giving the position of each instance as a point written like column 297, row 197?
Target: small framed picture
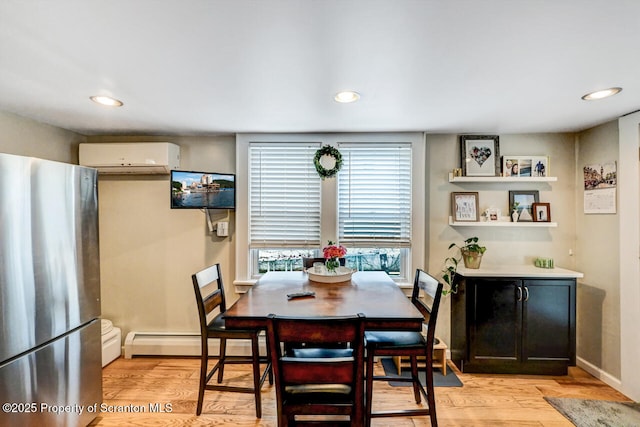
column 493, row 214
column 480, row 155
column 539, row 166
column 525, row 166
column 522, row 202
column 541, row 212
column 464, row 207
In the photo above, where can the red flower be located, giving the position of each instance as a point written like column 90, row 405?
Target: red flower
column 334, row 251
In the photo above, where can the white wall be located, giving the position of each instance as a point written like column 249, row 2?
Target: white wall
column 504, row 245
column 629, row 191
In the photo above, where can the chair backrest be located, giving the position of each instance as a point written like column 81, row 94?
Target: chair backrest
column 209, row 291
column 426, row 295
column 315, row 367
column 308, row 262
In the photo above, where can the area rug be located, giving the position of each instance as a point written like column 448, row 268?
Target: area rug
column 439, row 380
column 597, row 413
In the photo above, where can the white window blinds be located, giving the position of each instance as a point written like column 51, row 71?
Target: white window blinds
column 374, row 195
column 284, row 196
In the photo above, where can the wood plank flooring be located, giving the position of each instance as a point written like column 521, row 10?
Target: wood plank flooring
column 163, row 391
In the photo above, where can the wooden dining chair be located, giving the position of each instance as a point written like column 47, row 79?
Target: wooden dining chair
column 211, row 303
column 312, row 380
column 426, row 295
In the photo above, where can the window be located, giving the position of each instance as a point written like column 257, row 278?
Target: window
column 286, row 211
column 374, row 205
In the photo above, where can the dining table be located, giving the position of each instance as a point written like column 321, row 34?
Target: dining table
column 371, row 293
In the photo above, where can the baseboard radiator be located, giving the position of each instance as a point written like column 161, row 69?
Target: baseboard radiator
column 180, row 344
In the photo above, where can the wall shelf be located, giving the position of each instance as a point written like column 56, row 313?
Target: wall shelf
column 501, row 224
column 501, row 179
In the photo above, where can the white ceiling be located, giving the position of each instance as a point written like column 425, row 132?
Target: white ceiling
column 204, row 67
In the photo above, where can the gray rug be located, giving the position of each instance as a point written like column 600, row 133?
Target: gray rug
column 439, row 380
column 597, row 413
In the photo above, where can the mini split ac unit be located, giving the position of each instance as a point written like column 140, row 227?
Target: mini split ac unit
column 131, row 158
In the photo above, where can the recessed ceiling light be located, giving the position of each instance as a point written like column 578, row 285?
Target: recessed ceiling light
column 346, row 96
column 106, row 100
column 601, row 93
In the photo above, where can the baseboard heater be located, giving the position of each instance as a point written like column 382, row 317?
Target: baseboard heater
column 181, row 344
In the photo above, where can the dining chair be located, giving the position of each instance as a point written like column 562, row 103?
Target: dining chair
column 426, row 295
column 211, row 303
column 312, row 380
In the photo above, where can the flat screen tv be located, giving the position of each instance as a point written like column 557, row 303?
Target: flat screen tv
column 202, row 190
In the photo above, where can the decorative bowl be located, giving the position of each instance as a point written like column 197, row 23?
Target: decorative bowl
column 342, row 274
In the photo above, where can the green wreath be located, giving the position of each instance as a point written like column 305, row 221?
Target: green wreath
column 327, row 150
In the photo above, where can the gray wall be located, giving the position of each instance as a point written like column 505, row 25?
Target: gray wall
column 598, row 240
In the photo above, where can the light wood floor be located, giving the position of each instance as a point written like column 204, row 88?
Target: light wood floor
column 170, row 384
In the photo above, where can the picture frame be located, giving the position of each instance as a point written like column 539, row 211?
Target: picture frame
column 541, row 212
column 493, row 214
column 525, row 200
column 480, row 155
column 525, row 166
column 464, row 207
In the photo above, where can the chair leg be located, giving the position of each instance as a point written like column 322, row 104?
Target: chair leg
column 222, row 358
column 431, row 400
column 368, row 387
column 204, row 359
column 255, row 355
column 416, row 380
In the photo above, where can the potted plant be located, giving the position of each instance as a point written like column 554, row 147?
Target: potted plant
column 471, row 253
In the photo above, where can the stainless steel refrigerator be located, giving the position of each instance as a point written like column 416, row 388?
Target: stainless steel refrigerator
column 50, row 345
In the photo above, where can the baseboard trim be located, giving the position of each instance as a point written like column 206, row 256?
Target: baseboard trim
column 180, row 344
column 599, row 374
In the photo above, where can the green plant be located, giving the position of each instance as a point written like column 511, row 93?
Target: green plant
column 451, row 263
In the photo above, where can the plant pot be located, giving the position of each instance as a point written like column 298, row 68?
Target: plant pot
column 471, row 259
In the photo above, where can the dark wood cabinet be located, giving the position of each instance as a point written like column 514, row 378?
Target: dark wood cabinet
column 514, row 325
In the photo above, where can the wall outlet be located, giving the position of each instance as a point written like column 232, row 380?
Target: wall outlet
column 222, row 229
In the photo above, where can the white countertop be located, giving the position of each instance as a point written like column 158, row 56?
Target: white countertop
column 517, row 271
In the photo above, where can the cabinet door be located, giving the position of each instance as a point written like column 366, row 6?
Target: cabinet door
column 549, row 320
column 495, row 321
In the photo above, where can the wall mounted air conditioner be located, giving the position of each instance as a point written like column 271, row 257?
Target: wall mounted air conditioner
column 130, row 157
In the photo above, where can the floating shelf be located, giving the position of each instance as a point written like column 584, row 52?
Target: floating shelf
column 501, row 224
column 501, row 179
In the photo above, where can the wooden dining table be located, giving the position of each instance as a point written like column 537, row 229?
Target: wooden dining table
column 372, row 293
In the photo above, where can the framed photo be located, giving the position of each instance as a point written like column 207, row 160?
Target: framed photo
column 480, row 155
column 540, row 166
column 464, row 207
column 541, row 212
column 523, row 200
column 525, row 166
column 493, row 214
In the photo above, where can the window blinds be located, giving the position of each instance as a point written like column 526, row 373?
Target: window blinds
column 284, row 196
column 374, row 195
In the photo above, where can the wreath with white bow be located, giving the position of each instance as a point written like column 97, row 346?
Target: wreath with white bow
column 330, row 151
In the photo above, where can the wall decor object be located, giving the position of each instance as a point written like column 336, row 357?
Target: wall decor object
column 464, row 206
column 327, row 161
column 525, row 166
column 600, row 182
column 525, row 201
column 541, row 212
column 480, row 155
column 493, row 214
